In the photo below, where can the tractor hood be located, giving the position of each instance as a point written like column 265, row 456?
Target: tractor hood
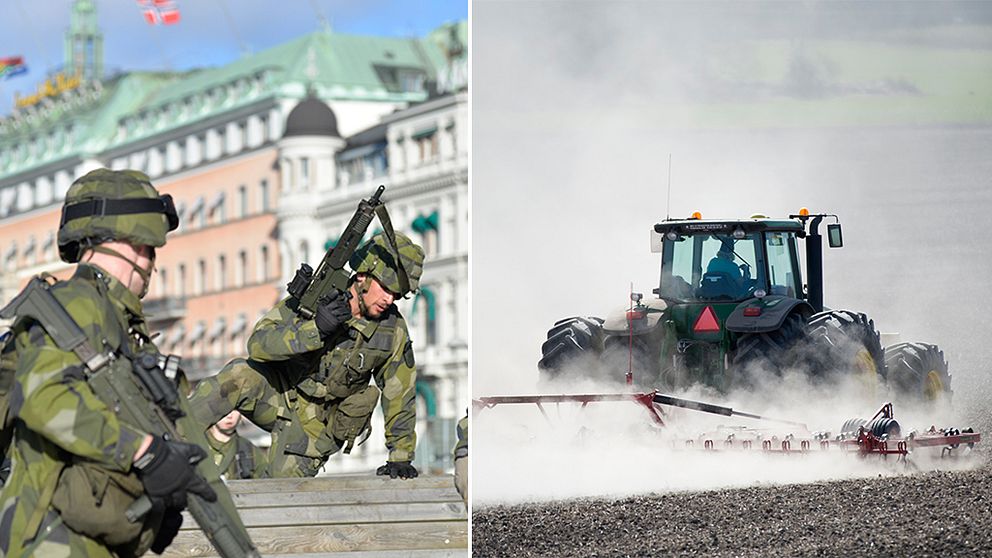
column 644, row 318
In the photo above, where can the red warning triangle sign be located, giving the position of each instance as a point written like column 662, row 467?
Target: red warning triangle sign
column 706, row 321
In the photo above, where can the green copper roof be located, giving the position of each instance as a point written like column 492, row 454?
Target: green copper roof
column 80, row 124
column 139, row 105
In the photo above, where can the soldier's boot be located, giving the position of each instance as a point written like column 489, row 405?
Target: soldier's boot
column 461, row 477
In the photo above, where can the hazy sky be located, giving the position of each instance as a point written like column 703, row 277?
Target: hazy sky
column 212, row 32
column 881, row 117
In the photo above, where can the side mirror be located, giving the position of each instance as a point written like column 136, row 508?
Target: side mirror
column 834, row 236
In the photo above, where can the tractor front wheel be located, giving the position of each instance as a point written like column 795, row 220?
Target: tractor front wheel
column 918, row 372
column 572, row 342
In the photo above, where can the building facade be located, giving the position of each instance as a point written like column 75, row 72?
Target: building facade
column 253, row 201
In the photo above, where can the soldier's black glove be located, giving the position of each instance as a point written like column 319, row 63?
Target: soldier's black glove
column 171, row 522
column 332, row 312
column 168, row 472
column 401, row 469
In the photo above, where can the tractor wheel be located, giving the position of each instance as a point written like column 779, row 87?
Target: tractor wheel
column 918, row 372
column 770, row 349
column 569, row 342
column 844, row 343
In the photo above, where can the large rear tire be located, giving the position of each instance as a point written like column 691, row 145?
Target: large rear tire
column 846, row 344
column 571, row 342
column 774, row 350
column 918, row 372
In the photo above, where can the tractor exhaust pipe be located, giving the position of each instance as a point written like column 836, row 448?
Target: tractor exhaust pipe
column 814, row 264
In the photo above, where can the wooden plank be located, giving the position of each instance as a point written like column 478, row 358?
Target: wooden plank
column 424, row 553
column 373, row 538
column 384, row 496
column 342, row 482
column 344, row 514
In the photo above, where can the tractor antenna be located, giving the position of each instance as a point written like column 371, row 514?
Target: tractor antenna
column 668, row 206
column 629, row 379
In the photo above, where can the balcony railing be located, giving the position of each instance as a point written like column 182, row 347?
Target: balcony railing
column 165, row 309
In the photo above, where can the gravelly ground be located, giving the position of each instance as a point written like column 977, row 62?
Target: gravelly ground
column 922, row 514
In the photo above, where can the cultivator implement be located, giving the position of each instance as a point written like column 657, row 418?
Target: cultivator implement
column 881, row 435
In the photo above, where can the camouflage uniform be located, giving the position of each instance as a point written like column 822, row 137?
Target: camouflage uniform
column 461, row 459
column 60, row 427
column 237, row 458
column 313, row 394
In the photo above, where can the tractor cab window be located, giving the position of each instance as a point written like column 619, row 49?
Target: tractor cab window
column 711, row 267
column 783, row 263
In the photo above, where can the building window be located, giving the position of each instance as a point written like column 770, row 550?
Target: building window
column 221, row 272
column 263, row 264
column 217, row 209
column 30, row 252
column 427, row 227
column 10, row 257
column 181, row 281
column 242, row 201
column 305, row 173
column 424, row 314
column 163, row 283
column 426, row 146
column 263, row 192
column 48, row 248
column 241, row 275
column 197, row 214
column 304, row 251
column 201, row 278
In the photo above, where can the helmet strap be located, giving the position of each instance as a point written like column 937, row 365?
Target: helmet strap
column 144, row 273
column 363, row 289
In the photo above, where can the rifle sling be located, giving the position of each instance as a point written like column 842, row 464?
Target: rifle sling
column 387, row 227
column 37, row 302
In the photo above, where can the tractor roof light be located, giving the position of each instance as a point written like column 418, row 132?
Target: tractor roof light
column 739, row 233
column 672, row 235
column 696, row 215
column 803, row 212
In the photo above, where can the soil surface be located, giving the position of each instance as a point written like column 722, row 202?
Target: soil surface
column 920, row 514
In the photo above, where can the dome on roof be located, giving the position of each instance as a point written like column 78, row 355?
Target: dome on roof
column 312, row 117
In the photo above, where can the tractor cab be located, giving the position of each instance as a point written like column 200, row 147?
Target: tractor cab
column 727, row 261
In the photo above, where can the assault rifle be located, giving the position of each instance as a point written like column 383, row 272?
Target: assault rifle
column 152, row 404
column 309, row 288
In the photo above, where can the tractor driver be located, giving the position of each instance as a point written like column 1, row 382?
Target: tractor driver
column 723, row 263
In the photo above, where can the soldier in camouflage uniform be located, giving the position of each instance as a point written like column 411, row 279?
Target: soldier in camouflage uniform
column 235, row 456
column 461, row 459
column 307, row 381
column 76, row 467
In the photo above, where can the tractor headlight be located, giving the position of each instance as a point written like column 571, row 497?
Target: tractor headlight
column 739, row 233
column 672, row 235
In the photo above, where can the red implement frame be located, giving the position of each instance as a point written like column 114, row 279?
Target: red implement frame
column 863, row 443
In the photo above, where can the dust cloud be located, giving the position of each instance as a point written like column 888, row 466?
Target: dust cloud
column 870, row 114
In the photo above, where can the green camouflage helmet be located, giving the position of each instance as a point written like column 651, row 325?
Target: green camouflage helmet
column 376, row 258
column 105, row 205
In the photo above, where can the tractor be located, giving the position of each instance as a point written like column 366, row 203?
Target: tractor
column 730, row 306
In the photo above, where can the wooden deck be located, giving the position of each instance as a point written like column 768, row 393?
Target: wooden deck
column 344, row 517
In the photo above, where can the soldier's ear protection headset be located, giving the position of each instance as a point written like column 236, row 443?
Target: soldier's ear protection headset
column 103, row 207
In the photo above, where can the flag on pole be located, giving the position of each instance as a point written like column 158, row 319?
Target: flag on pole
column 159, row 11
column 12, row 66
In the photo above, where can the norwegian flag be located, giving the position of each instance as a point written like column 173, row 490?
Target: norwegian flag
column 159, row 11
